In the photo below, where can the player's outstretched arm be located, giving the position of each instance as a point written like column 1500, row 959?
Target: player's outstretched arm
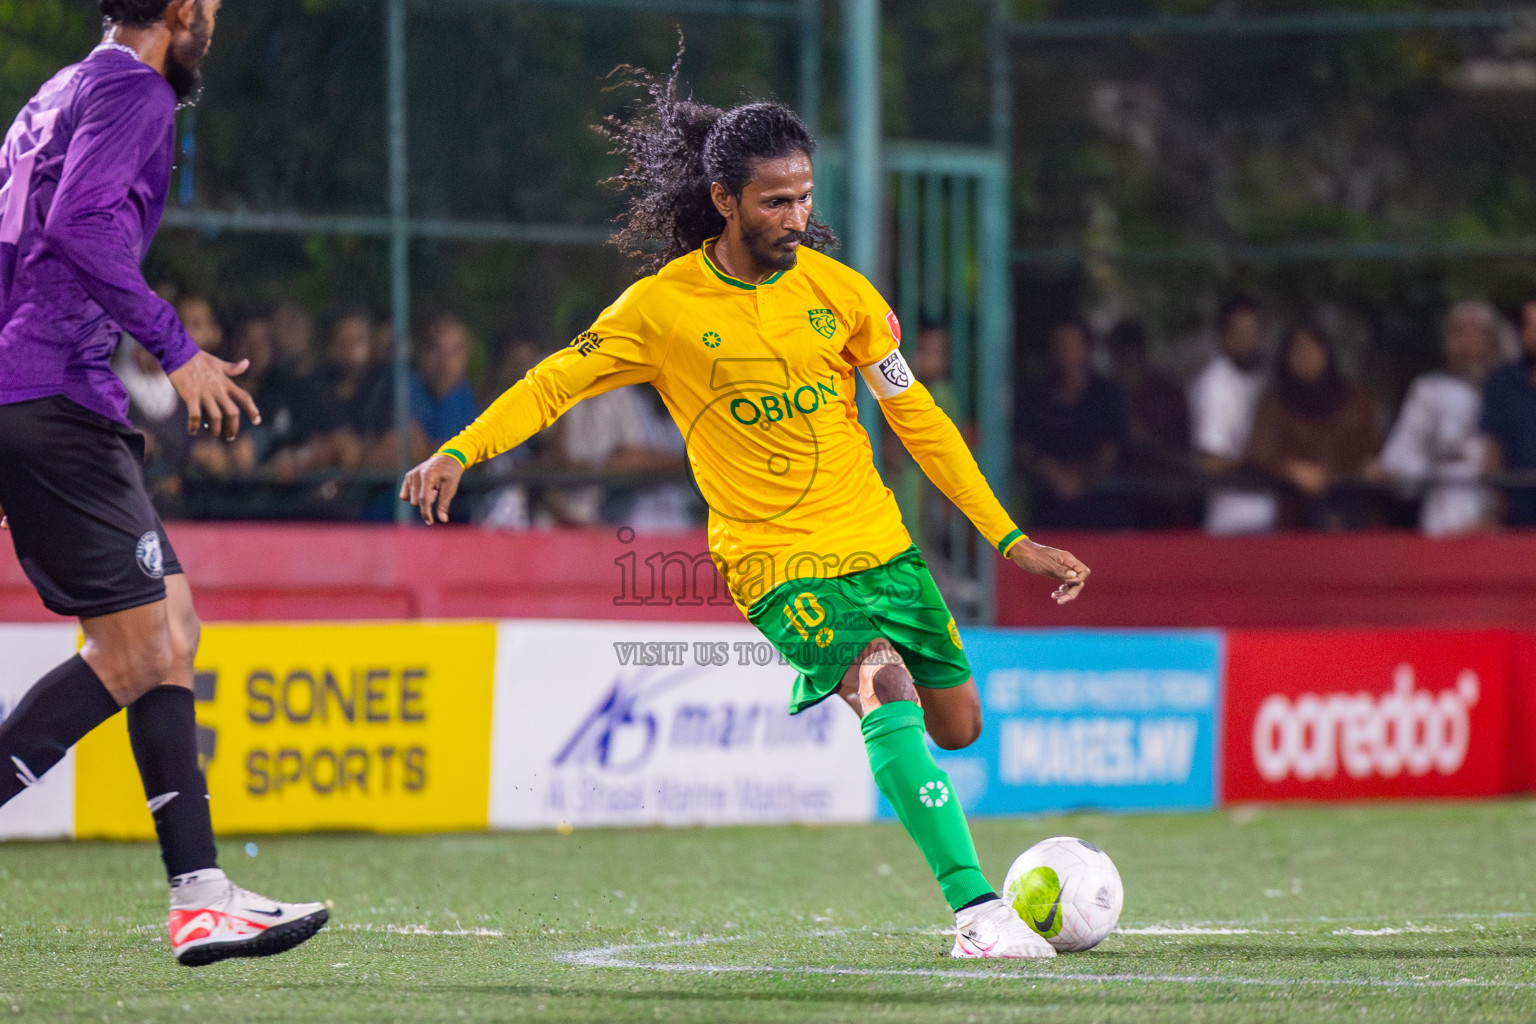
column 431, row 487
column 1052, row 563
column 206, row 383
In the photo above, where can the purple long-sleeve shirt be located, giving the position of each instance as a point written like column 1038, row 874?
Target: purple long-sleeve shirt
column 84, row 173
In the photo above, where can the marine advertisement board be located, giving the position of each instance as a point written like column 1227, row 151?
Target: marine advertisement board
column 641, row 723
column 1322, row 715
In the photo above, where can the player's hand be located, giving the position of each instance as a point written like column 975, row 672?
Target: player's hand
column 1052, row 563
column 431, row 487
column 213, row 399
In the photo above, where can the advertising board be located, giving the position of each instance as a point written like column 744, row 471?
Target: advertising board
column 380, row 727
column 643, row 723
column 1326, row 715
column 1091, row 719
column 47, row 809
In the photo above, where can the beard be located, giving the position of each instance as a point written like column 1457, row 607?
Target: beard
column 183, row 63
column 772, row 254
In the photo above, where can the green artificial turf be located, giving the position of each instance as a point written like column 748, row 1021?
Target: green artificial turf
column 1384, row 912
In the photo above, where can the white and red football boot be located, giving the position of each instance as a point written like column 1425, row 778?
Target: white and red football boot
column 213, row 919
column 994, row 931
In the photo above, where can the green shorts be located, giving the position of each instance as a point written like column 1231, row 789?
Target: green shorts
column 821, row 625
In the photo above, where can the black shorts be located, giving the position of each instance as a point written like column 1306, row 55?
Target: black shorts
column 86, row 534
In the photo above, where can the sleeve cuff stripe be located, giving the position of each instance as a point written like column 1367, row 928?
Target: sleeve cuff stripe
column 1008, row 542
column 465, row 462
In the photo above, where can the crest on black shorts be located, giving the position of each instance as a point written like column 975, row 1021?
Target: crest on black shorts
column 150, row 556
column 825, row 322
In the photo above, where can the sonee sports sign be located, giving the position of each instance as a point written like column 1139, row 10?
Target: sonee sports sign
column 385, row 728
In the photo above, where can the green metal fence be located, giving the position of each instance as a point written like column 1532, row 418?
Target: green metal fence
column 401, row 228
column 951, row 219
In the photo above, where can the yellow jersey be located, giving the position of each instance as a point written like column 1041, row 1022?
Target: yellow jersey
column 760, row 380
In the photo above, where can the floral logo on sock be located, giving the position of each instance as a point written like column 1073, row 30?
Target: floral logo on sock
column 933, row 794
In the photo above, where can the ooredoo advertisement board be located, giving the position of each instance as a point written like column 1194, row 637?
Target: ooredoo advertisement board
column 1348, row 715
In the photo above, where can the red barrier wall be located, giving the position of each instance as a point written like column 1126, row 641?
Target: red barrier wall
column 1285, row 580
column 270, row 572
column 293, row 573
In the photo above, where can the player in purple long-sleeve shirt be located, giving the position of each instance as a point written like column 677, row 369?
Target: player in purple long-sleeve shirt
column 84, row 172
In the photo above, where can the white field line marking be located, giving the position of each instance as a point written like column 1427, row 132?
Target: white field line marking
column 1411, row 929
column 1489, row 915
column 383, row 929
column 614, row 956
column 421, row 929
column 1192, row 929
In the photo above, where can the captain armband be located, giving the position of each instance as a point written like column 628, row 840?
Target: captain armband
column 889, row 377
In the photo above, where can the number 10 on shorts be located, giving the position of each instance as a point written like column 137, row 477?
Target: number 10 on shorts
column 805, row 615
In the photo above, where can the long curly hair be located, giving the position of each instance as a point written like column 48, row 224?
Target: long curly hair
column 674, row 148
column 134, row 13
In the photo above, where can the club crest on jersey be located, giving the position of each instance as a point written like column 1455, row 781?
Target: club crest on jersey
column 825, row 322
column 150, row 557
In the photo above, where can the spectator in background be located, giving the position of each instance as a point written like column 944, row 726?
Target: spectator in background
column 288, row 392
column 1159, row 430
column 384, row 342
column 210, row 455
column 1223, row 399
column 519, row 354
column 1509, row 420
column 255, row 342
column 931, row 363
column 1315, row 436
column 1073, row 429
column 156, row 411
column 1159, row 414
column 1437, row 446
column 442, row 401
column 293, row 331
column 508, row 505
column 197, row 316
column 623, row 431
column 356, row 397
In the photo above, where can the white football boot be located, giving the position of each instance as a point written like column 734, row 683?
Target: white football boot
column 213, row 919
column 994, row 930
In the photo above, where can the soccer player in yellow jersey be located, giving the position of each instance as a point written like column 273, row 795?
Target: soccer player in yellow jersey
column 754, row 340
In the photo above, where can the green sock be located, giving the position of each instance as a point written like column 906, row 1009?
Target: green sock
column 924, row 799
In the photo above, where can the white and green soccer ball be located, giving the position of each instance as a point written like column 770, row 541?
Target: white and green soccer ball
column 1068, row 890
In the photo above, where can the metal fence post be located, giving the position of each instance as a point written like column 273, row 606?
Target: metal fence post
column 810, row 65
column 994, row 327
column 862, row 129
column 399, row 237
